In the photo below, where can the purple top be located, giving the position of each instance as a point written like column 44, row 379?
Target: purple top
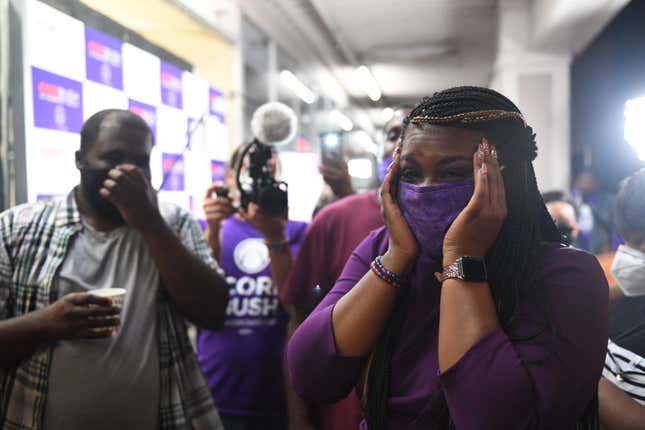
column 497, row 383
column 243, row 362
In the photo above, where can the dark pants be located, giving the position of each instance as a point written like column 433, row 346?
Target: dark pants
column 232, row 422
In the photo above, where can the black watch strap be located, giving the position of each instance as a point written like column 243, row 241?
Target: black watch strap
column 278, row 247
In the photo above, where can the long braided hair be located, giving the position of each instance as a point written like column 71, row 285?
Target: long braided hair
column 515, row 259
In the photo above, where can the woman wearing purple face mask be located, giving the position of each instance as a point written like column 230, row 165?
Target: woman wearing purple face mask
column 465, row 311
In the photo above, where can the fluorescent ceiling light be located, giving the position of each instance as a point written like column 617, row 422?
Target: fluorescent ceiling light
column 341, row 120
column 635, row 126
column 368, row 82
column 297, row 87
column 387, row 114
column 360, row 168
column 408, row 54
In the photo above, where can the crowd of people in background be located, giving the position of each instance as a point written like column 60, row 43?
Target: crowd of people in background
column 453, row 295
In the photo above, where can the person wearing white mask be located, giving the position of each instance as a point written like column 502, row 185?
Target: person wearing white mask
column 621, row 390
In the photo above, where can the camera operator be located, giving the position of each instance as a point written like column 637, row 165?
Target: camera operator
column 243, row 363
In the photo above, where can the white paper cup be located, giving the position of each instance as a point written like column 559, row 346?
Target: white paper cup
column 115, row 294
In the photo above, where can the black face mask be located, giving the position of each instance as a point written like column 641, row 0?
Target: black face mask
column 91, row 182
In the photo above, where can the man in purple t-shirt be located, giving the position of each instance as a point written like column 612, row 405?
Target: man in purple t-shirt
column 243, row 363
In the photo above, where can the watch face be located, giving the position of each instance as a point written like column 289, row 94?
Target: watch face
column 473, row 269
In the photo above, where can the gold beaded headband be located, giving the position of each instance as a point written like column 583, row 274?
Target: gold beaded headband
column 471, row 117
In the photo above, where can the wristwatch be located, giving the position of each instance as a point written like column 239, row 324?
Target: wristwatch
column 277, row 247
column 469, row 269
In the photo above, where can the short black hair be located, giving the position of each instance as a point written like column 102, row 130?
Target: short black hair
column 630, row 207
column 92, row 127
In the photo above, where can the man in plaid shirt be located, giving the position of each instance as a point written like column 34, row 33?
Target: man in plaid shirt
column 62, row 363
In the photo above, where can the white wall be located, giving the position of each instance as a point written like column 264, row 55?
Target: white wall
column 569, row 25
column 539, row 84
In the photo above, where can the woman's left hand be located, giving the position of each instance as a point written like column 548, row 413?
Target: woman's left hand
column 475, row 230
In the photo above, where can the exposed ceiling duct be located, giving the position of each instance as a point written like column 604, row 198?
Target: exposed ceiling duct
column 412, row 48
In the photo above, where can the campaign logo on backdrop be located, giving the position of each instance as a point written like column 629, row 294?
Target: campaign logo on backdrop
column 145, row 111
column 173, row 172
column 218, row 171
column 103, row 58
column 217, row 104
column 58, row 101
column 171, row 86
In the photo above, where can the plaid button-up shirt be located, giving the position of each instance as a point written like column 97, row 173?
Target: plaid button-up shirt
column 34, row 239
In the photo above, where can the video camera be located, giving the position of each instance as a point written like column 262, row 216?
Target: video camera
column 272, row 124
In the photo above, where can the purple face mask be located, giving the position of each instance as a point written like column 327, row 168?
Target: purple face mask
column 430, row 211
column 382, row 167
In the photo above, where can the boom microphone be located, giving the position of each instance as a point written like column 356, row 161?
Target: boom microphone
column 274, row 123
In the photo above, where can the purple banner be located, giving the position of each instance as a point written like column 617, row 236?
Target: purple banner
column 58, row 101
column 147, row 112
column 103, row 58
column 217, row 104
column 171, row 86
column 173, row 172
column 218, row 171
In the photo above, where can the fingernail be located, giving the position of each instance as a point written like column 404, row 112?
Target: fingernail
column 484, row 169
column 493, row 153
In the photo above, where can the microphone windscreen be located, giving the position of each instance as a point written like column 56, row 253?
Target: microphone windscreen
column 274, row 123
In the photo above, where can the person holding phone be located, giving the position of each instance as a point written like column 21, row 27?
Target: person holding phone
column 464, row 311
column 334, row 170
column 329, row 241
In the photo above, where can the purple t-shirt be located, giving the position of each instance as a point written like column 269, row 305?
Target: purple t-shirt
column 499, row 383
column 242, row 362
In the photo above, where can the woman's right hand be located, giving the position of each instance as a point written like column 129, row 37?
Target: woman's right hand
column 403, row 248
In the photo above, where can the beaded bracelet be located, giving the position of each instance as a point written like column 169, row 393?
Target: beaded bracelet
column 384, row 274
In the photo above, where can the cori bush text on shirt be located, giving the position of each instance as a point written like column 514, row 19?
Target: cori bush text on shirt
column 252, row 297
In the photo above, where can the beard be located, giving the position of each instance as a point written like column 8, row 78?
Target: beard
column 91, row 182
